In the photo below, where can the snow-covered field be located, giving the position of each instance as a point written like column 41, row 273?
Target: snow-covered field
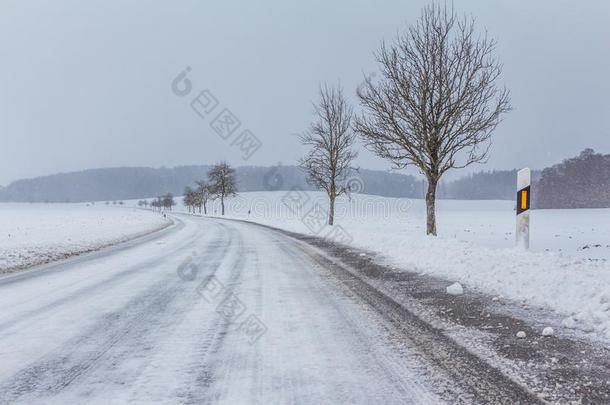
column 32, row 234
column 567, row 269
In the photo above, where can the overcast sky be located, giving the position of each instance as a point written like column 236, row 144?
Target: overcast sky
column 86, row 84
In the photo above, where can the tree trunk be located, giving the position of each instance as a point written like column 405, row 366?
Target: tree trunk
column 205, row 209
column 222, row 205
column 331, row 210
column 431, row 207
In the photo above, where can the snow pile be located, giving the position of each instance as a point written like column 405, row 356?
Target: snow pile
column 32, row 234
column 455, row 289
column 548, row 331
column 474, row 246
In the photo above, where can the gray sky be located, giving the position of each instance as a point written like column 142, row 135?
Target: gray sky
column 87, row 84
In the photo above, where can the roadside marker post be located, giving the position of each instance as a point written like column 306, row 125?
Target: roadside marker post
column 524, row 179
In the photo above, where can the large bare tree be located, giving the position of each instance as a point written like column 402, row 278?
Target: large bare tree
column 437, row 101
column 330, row 138
column 222, row 182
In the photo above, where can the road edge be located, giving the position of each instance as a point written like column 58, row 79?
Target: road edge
column 88, row 254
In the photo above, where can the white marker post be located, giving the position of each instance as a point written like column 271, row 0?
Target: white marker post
column 524, row 178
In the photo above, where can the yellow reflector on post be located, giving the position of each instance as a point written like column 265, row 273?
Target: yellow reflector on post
column 524, row 181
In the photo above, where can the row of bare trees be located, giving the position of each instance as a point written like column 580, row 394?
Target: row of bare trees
column 221, row 184
column 197, row 198
column 162, row 202
column 435, row 106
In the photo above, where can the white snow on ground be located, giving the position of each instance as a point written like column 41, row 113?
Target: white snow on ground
column 455, row 289
column 474, row 246
column 32, row 234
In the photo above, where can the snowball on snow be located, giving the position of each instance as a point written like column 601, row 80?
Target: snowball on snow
column 455, row 289
column 548, row 331
column 521, row 334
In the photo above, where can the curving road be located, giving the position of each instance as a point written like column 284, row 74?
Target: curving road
column 208, row 311
column 216, row 311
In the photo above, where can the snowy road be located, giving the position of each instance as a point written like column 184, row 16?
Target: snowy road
column 209, row 311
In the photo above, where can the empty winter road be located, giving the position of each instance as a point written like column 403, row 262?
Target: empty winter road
column 209, row 311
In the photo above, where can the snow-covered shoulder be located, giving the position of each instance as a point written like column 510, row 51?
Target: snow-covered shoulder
column 32, row 234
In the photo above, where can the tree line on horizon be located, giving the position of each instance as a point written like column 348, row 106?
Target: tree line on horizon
column 579, row 182
column 129, row 183
column 221, row 184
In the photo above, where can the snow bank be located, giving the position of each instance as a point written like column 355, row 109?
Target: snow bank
column 474, row 246
column 32, row 234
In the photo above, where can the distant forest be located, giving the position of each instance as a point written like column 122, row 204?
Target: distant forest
column 492, row 185
column 125, row 183
column 580, row 182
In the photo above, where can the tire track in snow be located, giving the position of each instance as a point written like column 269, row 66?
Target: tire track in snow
column 215, row 339
column 129, row 327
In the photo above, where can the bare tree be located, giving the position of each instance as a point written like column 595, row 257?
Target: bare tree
column 437, row 101
column 189, row 199
column 168, row 201
column 328, row 162
column 157, row 204
column 202, row 196
column 222, row 182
